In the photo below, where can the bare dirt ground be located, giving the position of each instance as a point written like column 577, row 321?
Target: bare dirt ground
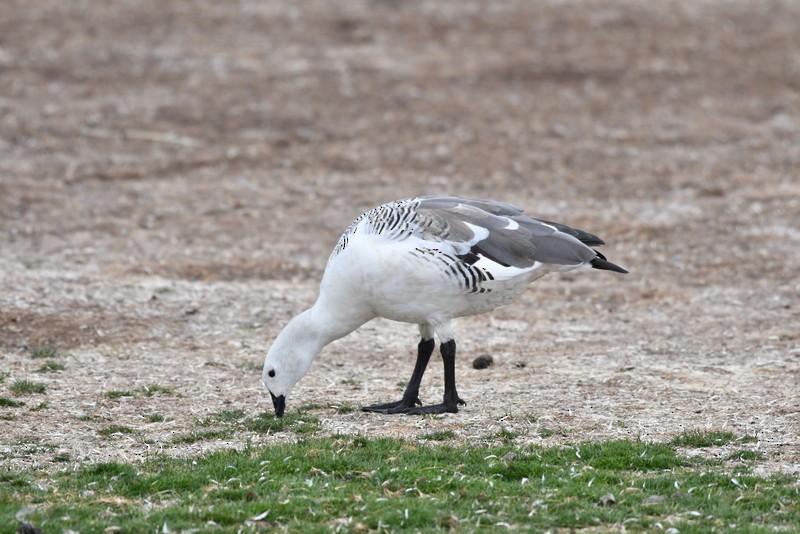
column 173, row 175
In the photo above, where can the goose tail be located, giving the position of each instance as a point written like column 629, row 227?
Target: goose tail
column 600, row 262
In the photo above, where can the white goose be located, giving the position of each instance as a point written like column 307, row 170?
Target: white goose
column 425, row 260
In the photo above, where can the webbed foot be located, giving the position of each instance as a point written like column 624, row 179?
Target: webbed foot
column 445, row 407
column 415, row 408
column 393, row 407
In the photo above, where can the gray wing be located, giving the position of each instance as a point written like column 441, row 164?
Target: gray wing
column 500, row 232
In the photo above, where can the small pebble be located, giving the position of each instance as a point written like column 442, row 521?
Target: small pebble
column 508, row 457
column 607, row 500
column 482, row 362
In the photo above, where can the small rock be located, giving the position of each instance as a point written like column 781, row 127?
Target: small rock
column 508, row 457
column 113, row 529
column 654, row 499
column 607, row 500
column 482, row 362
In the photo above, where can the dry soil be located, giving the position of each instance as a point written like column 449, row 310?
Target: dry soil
column 173, row 175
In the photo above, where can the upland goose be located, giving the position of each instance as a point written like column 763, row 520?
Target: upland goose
column 425, row 260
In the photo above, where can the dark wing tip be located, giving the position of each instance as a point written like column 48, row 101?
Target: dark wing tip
column 601, row 263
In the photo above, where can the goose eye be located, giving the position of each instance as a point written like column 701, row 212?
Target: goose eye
column 271, row 373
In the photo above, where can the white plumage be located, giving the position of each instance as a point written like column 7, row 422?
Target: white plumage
column 425, row 260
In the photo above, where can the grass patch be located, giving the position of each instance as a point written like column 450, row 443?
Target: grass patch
column 155, row 389
column 116, row 429
column 26, row 387
column 746, row 455
column 119, row 393
column 441, row 435
column 252, row 365
column 546, row 433
column 345, row 407
column 505, row 435
column 33, row 445
column 13, row 480
column 202, row 435
column 50, row 367
column 151, row 390
column 3, row 376
column 230, row 416
column 155, row 418
column 311, row 406
column 10, row 403
column 748, row 438
column 267, row 423
column 357, row 484
column 44, row 352
column 703, row 438
column 225, row 423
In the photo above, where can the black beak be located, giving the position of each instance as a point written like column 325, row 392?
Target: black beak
column 279, row 403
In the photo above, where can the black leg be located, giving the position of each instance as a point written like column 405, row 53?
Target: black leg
column 451, row 399
column 411, row 395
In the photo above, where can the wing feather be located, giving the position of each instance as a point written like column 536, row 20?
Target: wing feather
column 511, row 238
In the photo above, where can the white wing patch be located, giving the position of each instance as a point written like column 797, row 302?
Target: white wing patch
column 512, row 224
column 479, row 233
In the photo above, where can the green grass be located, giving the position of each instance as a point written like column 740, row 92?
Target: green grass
column 230, row 416
column 344, row 407
column 298, row 422
column 223, row 425
column 44, row 352
column 26, row 387
column 50, row 367
column 10, row 403
column 747, row 438
column 354, row 484
column 700, row 438
column 505, row 435
column 746, row 455
column 31, row 445
column 118, row 393
column 151, row 390
column 155, row 389
column 202, row 435
column 440, row 435
column 116, row 429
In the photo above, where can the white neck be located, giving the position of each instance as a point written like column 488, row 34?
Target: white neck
column 329, row 324
column 309, row 332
